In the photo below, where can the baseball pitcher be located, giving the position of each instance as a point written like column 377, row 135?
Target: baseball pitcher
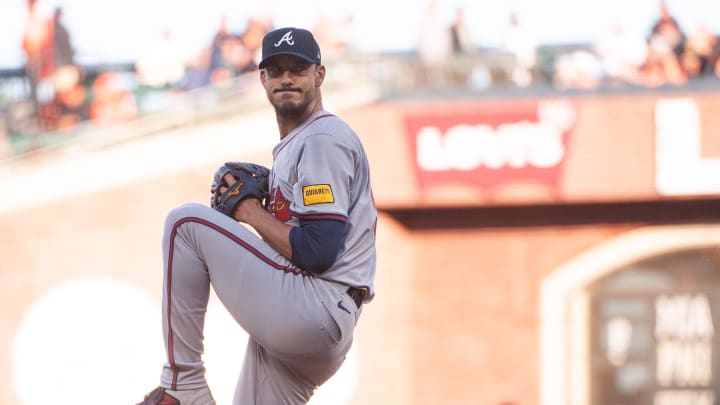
column 297, row 290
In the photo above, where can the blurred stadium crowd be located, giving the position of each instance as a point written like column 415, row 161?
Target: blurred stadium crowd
column 53, row 93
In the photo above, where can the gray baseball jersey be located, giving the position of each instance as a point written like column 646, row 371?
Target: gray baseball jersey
column 300, row 325
column 320, row 171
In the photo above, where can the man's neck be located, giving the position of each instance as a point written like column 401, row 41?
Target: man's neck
column 288, row 124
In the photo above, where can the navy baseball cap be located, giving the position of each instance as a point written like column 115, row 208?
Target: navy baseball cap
column 290, row 41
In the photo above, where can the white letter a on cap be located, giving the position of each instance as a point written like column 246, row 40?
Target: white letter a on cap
column 286, row 38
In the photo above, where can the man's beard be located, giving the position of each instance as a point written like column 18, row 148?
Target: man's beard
column 290, row 109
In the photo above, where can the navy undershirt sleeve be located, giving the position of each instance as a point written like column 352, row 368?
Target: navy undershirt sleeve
column 316, row 244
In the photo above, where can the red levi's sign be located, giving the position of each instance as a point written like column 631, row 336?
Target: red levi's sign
column 497, row 145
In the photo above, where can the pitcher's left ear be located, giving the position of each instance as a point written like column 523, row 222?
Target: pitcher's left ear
column 319, row 75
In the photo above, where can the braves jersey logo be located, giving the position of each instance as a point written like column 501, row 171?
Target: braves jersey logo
column 279, row 206
column 287, row 38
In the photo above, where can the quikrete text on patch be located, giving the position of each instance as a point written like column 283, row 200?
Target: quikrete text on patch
column 318, row 194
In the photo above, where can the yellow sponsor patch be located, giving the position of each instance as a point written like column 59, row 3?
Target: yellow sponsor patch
column 318, row 194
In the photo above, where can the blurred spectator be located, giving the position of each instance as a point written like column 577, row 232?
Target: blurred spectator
column 435, row 47
column 216, row 54
column 667, row 30
column 667, row 35
column 463, row 50
column 462, row 42
column 691, row 64
column 238, row 58
column 63, row 52
column 197, row 72
column 700, row 53
column 622, row 54
column 38, row 49
column 229, row 56
column 218, row 70
column 162, row 64
column 112, row 102
column 662, row 67
column 69, row 106
column 522, row 45
column 252, row 38
column 665, row 48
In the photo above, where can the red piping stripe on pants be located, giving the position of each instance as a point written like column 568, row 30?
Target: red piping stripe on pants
column 168, row 292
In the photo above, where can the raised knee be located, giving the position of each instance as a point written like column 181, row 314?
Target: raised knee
column 184, row 211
